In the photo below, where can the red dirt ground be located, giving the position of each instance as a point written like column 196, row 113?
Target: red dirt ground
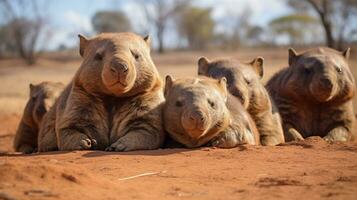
column 312, row 169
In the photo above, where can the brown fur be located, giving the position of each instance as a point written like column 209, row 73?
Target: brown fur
column 199, row 111
column 113, row 101
column 314, row 95
column 244, row 83
column 42, row 98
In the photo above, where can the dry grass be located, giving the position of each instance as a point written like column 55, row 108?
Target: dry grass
column 15, row 76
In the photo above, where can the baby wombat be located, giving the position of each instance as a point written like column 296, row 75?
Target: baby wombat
column 42, row 97
column 243, row 81
column 199, row 111
column 314, row 95
column 113, row 102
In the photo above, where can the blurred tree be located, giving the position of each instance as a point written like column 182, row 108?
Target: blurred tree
column 110, row 21
column 25, row 23
column 159, row 13
column 294, row 26
column 197, row 26
column 337, row 17
column 6, row 43
column 233, row 28
column 254, row 35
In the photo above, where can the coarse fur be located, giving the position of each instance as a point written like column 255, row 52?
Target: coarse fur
column 199, row 111
column 113, row 102
column 314, row 95
column 42, row 98
column 244, row 82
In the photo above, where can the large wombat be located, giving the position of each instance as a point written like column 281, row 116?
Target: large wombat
column 314, row 95
column 243, row 81
column 199, row 111
column 42, row 97
column 113, row 101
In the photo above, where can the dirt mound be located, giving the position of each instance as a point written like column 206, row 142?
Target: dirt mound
column 51, row 179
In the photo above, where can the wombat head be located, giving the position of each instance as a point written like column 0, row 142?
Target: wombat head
column 320, row 74
column 43, row 96
column 242, row 78
column 116, row 64
column 195, row 109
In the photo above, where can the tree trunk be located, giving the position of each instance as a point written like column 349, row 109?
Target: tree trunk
column 160, row 38
column 323, row 13
column 330, row 42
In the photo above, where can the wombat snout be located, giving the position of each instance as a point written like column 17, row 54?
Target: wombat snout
column 119, row 68
column 194, row 122
column 197, row 118
column 326, row 83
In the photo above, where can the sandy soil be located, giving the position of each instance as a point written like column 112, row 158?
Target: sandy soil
column 312, row 169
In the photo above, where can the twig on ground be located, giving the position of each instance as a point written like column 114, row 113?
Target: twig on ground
column 141, row 175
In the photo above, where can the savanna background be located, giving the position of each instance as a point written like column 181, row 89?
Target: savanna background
column 38, row 42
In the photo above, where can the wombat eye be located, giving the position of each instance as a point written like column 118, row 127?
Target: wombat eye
column 338, row 69
column 178, row 103
column 211, row 103
column 248, row 81
column 98, row 56
column 135, row 55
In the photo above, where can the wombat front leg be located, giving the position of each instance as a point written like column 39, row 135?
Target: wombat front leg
column 74, row 140
column 291, row 134
column 272, row 132
column 338, row 134
column 231, row 138
column 25, row 139
column 139, row 139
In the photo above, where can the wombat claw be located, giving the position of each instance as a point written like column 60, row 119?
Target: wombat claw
column 88, row 144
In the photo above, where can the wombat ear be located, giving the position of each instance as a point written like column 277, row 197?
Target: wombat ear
column 203, row 65
column 292, row 56
column 346, row 53
column 168, row 84
column 258, row 66
column 147, row 39
column 32, row 87
column 83, row 43
column 223, row 83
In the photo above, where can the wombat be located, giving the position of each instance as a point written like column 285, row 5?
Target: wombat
column 42, row 97
column 113, row 102
column 243, row 82
column 314, row 95
column 199, row 111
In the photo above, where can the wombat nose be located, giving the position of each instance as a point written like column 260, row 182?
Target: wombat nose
column 326, row 83
column 197, row 117
column 119, row 68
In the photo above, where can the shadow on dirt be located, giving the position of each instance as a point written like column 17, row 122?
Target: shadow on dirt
column 17, row 154
column 158, row 152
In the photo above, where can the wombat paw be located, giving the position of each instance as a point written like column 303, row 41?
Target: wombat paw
column 118, row 146
column 218, row 142
column 87, row 144
column 328, row 139
column 27, row 149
